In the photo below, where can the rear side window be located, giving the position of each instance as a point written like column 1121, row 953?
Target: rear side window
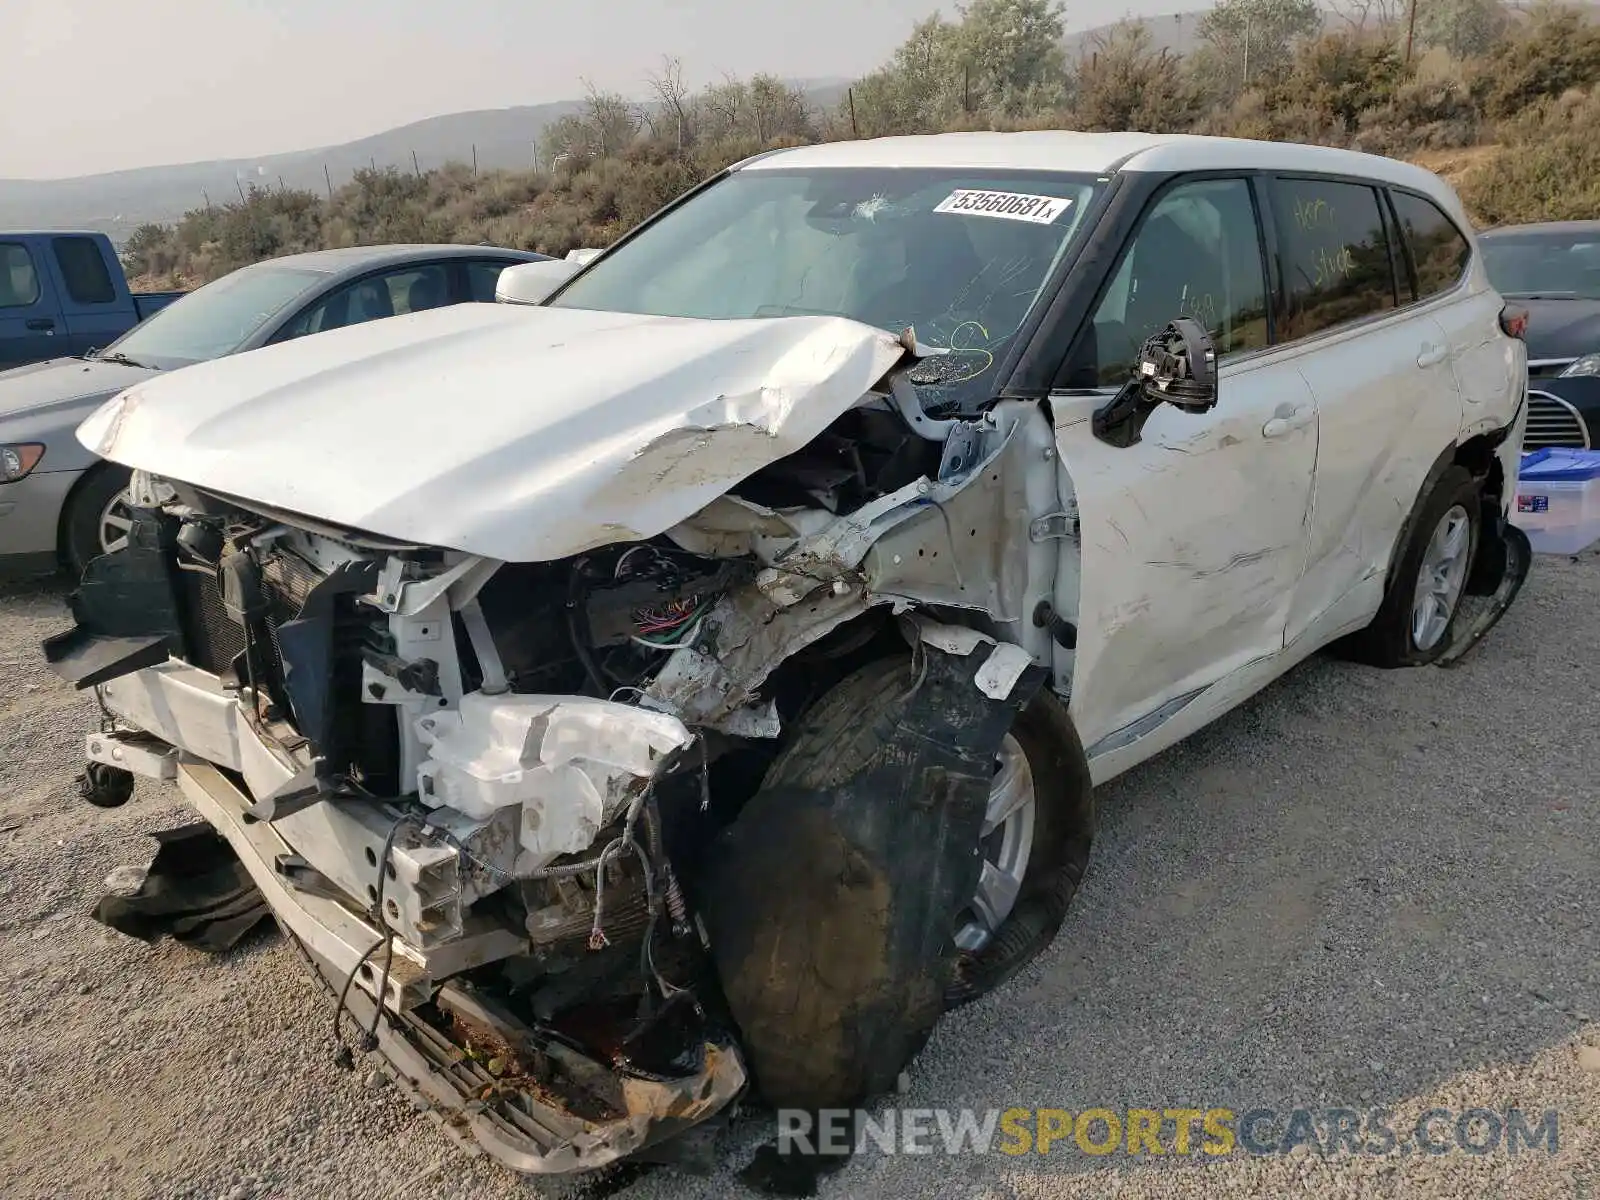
column 19, row 282
column 83, row 270
column 1439, row 251
column 1336, row 264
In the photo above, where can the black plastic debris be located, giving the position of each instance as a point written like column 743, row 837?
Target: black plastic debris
column 195, row 891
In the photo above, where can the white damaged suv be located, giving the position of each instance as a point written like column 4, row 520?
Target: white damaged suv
column 700, row 676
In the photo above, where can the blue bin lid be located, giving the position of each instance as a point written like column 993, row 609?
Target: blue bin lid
column 1555, row 463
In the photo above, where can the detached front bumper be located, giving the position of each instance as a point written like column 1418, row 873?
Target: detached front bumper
column 523, row 1121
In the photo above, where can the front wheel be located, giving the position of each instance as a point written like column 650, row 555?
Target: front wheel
column 1414, row 626
column 98, row 516
column 841, row 924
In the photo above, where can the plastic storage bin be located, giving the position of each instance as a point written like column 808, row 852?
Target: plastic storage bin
column 1558, row 500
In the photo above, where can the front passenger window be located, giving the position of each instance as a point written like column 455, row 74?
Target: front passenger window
column 1196, row 254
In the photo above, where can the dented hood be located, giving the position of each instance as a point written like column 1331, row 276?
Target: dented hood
column 519, row 433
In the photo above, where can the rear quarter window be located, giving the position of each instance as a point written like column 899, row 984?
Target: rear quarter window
column 83, row 270
column 1335, row 252
column 1439, row 251
column 19, row 282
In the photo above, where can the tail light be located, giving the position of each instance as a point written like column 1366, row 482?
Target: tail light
column 1514, row 321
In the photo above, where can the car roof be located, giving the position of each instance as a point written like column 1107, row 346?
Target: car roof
column 1542, row 227
column 1102, row 154
column 356, row 259
column 51, row 232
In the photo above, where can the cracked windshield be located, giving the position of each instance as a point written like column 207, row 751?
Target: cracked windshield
column 960, row 258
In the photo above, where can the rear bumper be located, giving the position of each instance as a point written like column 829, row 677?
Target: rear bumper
column 527, row 1127
column 30, row 518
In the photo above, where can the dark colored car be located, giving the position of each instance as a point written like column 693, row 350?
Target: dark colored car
column 64, row 293
column 1553, row 270
column 58, row 502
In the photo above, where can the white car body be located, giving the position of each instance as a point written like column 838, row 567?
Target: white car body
column 1194, row 566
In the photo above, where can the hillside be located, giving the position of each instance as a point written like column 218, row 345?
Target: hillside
column 118, row 202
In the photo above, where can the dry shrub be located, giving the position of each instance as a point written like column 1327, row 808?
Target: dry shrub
column 1549, row 169
column 1533, row 89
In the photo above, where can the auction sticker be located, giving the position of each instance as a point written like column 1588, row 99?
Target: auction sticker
column 1010, row 206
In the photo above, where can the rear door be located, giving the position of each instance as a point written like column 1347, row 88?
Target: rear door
column 1455, row 291
column 1193, row 539
column 96, row 304
column 1379, row 366
column 31, row 328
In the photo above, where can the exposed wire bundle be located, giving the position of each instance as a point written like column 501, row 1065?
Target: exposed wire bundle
column 671, row 627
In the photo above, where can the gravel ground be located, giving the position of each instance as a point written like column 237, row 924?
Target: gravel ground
column 1361, row 889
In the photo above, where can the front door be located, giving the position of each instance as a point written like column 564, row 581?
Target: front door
column 30, row 323
column 1193, row 540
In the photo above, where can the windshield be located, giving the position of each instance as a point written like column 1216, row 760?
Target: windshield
column 1557, row 266
column 214, row 320
column 959, row 255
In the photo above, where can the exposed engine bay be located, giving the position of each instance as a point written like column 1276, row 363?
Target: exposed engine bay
column 511, row 775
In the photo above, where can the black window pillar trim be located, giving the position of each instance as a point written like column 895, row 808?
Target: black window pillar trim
column 1402, row 244
column 1400, row 272
column 1267, row 248
column 1037, row 354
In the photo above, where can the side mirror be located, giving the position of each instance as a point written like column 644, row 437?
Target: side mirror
column 585, row 255
column 1177, row 366
column 532, row 283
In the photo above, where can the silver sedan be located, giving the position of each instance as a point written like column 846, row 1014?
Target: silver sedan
column 59, row 504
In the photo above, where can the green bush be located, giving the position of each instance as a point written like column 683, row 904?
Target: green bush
column 1553, row 173
column 1526, row 85
column 1555, row 50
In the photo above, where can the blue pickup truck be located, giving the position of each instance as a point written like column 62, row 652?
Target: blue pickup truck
column 63, row 294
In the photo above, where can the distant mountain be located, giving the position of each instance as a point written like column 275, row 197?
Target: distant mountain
column 120, row 201
column 504, row 137
column 1178, row 32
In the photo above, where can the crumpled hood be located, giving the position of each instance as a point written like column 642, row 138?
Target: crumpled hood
column 60, row 382
column 519, row 433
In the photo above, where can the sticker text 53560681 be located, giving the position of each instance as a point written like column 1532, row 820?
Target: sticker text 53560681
column 1011, row 206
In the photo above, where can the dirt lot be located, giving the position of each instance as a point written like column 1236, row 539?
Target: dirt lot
column 1362, row 889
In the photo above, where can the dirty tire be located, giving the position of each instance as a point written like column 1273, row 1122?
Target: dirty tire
column 812, row 1015
column 1388, row 641
column 80, row 521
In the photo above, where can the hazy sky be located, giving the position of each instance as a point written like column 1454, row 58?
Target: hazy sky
column 99, row 85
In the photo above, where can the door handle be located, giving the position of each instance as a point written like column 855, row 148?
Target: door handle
column 1432, row 356
column 1288, row 420
column 42, row 325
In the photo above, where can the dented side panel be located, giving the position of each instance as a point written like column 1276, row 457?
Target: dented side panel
column 1192, row 542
